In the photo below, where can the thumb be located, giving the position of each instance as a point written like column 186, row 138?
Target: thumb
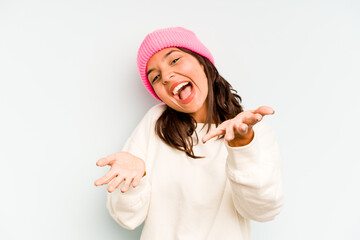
column 101, row 162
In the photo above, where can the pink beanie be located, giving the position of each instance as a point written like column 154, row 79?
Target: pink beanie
column 164, row 38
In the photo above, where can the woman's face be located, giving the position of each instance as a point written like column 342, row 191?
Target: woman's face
column 179, row 81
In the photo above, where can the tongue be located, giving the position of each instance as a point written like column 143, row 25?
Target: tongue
column 185, row 92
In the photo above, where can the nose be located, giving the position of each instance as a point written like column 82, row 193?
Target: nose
column 167, row 77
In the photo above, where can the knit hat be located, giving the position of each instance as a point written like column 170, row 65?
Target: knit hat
column 164, row 38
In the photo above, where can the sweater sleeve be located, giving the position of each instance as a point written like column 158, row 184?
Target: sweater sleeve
column 130, row 209
column 254, row 173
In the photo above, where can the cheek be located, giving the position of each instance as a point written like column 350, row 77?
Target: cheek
column 160, row 91
column 197, row 74
column 204, row 80
column 187, row 68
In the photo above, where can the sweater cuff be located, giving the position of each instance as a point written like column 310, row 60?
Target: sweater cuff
column 241, row 157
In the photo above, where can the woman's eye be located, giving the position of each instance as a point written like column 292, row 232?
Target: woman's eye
column 155, row 78
column 175, row 60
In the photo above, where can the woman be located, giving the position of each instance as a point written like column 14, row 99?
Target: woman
column 181, row 187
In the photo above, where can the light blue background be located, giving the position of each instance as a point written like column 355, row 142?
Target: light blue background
column 70, row 94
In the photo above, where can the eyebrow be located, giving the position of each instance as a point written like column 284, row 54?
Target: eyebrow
column 165, row 56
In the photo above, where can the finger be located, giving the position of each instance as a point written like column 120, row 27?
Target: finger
column 264, row 110
column 258, row 117
column 220, row 130
column 237, row 127
column 126, row 185
column 229, row 135
column 249, row 117
column 240, row 128
column 244, row 129
column 136, row 181
column 106, row 160
column 253, row 119
column 106, row 178
column 213, row 133
column 114, row 184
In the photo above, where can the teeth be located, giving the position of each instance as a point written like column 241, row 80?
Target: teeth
column 177, row 88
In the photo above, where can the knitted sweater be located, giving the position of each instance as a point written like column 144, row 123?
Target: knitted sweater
column 208, row 198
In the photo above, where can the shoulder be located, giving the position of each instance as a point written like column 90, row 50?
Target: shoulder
column 145, row 128
column 153, row 114
column 158, row 109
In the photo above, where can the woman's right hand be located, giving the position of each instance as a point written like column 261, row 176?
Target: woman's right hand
column 124, row 166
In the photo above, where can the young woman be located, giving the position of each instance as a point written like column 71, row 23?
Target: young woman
column 182, row 187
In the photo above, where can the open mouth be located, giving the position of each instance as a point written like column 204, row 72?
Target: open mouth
column 182, row 91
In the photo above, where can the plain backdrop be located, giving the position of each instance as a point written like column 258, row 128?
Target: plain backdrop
column 70, row 94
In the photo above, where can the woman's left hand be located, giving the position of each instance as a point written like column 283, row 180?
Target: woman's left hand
column 238, row 131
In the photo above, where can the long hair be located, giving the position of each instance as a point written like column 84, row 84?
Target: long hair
column 223, row 103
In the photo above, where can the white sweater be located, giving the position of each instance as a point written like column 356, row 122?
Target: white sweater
column 209, row 198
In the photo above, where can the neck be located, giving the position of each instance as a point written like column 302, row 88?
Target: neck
column 200, row 115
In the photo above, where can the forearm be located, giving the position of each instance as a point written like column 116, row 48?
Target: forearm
column 254, row 173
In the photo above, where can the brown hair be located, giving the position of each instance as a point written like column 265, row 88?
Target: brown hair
column 176, row 128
